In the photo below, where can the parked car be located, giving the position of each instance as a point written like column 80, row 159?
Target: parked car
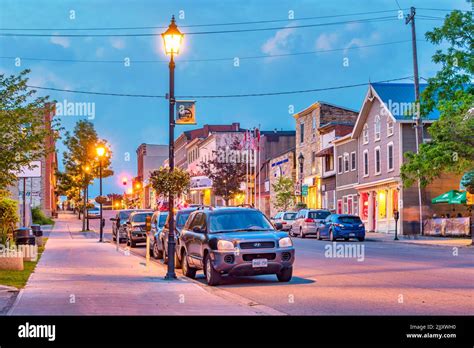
column 307, row 220
column 181, row 216
column 345, row 226
column 118, row 224
column 135, row 227
column 157, row 223
column 234, row 241
column 93, row 213
column 286, row 218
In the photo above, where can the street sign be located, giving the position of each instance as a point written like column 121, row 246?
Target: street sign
column 185, row 112
column 304, row 190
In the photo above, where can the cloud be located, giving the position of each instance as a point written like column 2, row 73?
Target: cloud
column 61, row 41
column 280, row 43
column 326, row 41
column 117, row 43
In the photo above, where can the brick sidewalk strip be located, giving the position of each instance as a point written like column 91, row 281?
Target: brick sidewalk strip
column 79, row 276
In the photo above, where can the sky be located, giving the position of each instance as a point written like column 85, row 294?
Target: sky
column 127, row 122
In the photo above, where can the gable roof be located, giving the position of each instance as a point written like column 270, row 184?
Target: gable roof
column 398, row 99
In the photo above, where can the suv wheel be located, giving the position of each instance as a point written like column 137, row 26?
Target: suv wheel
column 157, row 253
column 331, row 236
column 285, row 274
column 177, row 263
column 301, row 233
column 187, row 271
column 212, row 276
column 318, row 235
column 165, row 256
column 290, row 232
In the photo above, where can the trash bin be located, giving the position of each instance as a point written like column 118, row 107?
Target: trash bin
column 24, row 236
column 38, row 233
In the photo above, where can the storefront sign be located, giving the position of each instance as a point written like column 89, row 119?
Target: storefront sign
column 304, row 190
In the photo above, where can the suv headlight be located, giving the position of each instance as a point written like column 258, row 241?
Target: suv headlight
column 225, row 245
column 285, row 242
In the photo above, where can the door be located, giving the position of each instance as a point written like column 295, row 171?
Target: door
column 324, row 227
column 374, row 212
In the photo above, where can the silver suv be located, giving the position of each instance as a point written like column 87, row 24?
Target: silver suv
column 307, row 221
column 285, row 218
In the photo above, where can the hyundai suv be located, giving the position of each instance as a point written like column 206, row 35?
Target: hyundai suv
column 234, row 241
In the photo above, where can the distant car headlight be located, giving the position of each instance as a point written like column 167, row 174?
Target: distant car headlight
column 225, row 245
column 285, row 242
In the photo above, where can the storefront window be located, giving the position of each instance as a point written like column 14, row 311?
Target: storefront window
column 382, row 204
column 365, row 206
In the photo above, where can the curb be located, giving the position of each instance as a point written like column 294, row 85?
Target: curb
column 416, row 243
column 226, row 295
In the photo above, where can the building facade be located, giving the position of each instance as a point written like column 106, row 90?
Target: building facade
column 308, row 144
column 282, row 165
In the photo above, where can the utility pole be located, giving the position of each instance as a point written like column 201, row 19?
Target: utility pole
column 418, row 122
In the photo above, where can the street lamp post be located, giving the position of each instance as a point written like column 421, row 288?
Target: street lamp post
column 172, row 39
column 301, row 161
column 100, row 153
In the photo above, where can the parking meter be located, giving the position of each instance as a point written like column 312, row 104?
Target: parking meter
column 148, row 230
column 396, row 216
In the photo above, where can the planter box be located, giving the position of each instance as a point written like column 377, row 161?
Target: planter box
column 11, row 263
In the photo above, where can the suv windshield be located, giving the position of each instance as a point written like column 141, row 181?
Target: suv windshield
column 289, row 216
column 231, row 221
column 181, row 218
column 141, row 217
column 349, row 219
column 318, row 214
column 162, row 219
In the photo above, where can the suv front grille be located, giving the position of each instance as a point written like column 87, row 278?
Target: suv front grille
column 250, row 257
column 257, row 245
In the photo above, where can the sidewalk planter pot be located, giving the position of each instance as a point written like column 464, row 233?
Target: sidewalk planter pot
column 11, row 263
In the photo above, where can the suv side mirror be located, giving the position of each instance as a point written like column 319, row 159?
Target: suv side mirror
column 278, row 226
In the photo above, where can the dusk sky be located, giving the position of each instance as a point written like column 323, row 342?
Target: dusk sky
column 126, row 122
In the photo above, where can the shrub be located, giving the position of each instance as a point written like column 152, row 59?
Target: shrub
column 39, row 217
column 8, row 218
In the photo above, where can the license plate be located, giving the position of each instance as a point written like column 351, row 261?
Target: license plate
column 256, row 263
column 351, row 234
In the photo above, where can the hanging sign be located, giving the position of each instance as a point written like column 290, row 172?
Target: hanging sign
column 185, row 112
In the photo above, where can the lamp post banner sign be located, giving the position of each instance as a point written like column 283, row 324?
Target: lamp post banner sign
column 185, row 112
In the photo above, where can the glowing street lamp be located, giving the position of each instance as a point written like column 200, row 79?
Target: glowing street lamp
column 172, row 39
column 100, row 153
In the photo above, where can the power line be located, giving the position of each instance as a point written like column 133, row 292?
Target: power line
column 203, row 24
column 216, row 96
column 140, row 61
column 365, row 20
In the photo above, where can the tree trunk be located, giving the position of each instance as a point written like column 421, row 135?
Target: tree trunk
column 226, row 200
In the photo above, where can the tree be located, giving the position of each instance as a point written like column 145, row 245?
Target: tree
column 226, row 169
column 468, row 181
column 81, row 164
column 164, row 182
column 451, row 149
column 284, row 193
column 22, row 129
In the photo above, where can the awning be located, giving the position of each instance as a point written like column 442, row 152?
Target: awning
column 459, row 198
column 325, row 152
column 447, row 197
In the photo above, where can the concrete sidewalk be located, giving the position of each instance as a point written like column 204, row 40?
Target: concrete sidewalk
column 79, row 276
column 420, row 240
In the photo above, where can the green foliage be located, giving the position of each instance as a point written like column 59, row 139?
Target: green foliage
column 164, row 182
column 39, row 217
column 226, row 175
column 81, row 163
column 300, row 205
column 284, row 193
column 8, row 218
column 22, row 130
column 451, row 149
column 468, row 181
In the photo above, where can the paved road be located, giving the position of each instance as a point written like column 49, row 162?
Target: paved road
column 389, row 278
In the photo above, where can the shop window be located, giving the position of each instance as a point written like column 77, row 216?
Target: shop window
column 344, row 205
column 364, row 198
column 355, row 205
column 382, row 204
column 339, row 206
